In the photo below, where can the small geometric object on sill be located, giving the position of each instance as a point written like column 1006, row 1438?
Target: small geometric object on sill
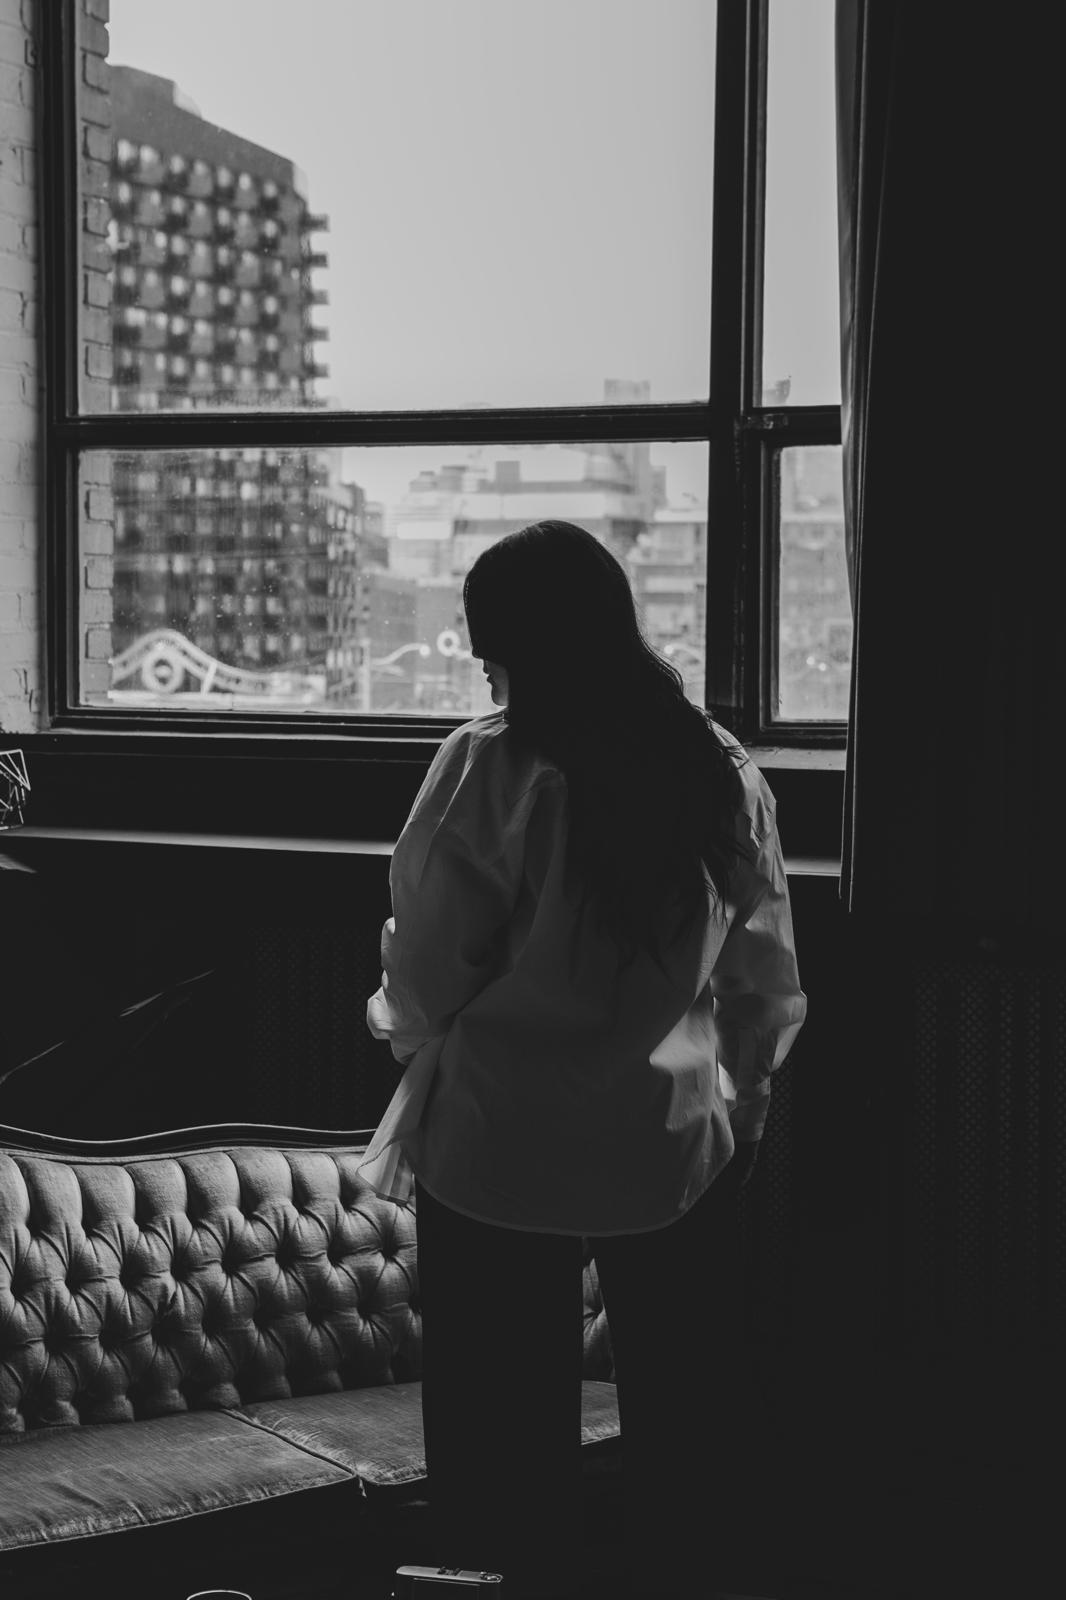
column 14, row 787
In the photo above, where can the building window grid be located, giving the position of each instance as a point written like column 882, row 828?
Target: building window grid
column 749, row 435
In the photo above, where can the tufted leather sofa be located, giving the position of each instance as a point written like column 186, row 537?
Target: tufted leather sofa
column 207, row 1318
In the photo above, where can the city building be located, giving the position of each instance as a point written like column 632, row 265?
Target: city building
column 212, row 245
column 667, row 569
column 450, row 514
column 234, row 569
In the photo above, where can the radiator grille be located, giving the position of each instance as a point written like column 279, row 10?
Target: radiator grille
column 320, row 1065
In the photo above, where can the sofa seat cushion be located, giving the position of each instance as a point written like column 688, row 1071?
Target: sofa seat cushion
column 376, row 1432
column 67, row 1483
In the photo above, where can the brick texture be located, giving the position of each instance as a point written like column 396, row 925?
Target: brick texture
column 21, row 618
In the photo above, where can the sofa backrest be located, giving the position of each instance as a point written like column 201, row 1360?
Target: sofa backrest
column 138, row 1285
column 163, row 1283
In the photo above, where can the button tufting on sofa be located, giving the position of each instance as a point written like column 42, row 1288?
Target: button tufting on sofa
column 278, row 1349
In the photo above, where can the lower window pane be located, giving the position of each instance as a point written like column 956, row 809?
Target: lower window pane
column 814, row 651
column 331, row 581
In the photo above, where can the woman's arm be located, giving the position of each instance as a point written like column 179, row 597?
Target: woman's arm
column 441, row 945
column 759, row 1006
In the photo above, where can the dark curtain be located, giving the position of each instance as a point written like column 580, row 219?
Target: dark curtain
column 952, row 495
column 953, row 874
column 865, row 42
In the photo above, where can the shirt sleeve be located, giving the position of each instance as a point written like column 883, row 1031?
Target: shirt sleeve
column 759, row 1006
column 455, row 877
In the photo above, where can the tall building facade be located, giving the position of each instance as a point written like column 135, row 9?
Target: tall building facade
column 451, row 514
column 233, row 568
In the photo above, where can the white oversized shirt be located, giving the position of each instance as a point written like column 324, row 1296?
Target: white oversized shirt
column 547, row 1088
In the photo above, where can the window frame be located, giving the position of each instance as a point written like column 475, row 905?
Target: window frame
column 816, row 427
column 738, row 433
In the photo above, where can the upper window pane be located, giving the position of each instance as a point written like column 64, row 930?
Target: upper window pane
column 801, row 307
column 410, row 206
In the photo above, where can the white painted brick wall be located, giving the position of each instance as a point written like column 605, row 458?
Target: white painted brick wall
column 20, row 565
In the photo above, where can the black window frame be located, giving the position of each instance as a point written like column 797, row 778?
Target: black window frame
column 741, row 437
column 815, row 426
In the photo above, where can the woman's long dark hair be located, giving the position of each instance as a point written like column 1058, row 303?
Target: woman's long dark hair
column 651, row 790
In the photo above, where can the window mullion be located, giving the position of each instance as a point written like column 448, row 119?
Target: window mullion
column 732, row 639
column 793, row 424
column 332, row 429
column 57, row 123
column 58, row 168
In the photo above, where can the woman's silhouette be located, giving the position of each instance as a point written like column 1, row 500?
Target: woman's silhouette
column 589, row 975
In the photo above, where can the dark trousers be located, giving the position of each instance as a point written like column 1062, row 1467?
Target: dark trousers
column 502, row 1329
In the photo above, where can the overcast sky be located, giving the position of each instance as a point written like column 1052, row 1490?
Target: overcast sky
column 519, row 191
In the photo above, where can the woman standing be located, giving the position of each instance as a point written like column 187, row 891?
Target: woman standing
column 590, row 977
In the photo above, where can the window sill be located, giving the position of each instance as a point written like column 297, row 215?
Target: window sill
column 390, row 740
column 777, row 758
column 203, row 841
column 797, row 866
column 121, row 786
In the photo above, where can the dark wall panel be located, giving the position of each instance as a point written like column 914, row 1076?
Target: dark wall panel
column 910, row 1188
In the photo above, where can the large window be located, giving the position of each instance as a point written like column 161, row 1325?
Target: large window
column 344, row 293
